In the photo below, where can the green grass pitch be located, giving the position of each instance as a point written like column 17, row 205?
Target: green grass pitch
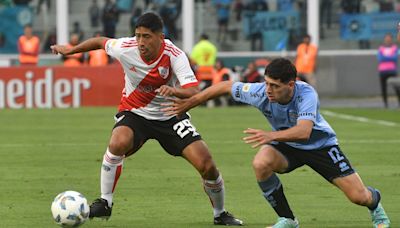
column 45, row 152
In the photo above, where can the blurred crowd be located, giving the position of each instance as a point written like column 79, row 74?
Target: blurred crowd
column 104, row 16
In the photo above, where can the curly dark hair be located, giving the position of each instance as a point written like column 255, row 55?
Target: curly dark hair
column 281, row 69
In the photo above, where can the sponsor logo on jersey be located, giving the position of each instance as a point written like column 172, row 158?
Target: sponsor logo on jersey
column 246, row 87
column 133, row 69
column 237, row 92
column 164, row 72
column 307, row 114
column 111, row 44
column 293, row 116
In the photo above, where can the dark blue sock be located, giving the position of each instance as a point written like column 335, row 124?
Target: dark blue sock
column 273, row 193
column 376, row 198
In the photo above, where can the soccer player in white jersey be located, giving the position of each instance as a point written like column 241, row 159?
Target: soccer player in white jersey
column 154, row 69
column 300, row 136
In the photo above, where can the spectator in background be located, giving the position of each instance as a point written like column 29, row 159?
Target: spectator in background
column 223, row 13
column 256, row 37
column 39, row 5
column 386, row 5
column 22, row 2
column 204, row 54
column 50, row 40
column 97, row 57
column 258, row 5
column 350, row 6
column 2, row 40
column 221, row 73
column 170, row 12
column 325, row 14
column 285, row 5
column 135, row 15
column 238, row 8
column 387, row 64
column 251, row 74
column 77, row 30
column 306, row 58
column 110, row 18
column 75, row 59
column 94, row 13
column 28, row 47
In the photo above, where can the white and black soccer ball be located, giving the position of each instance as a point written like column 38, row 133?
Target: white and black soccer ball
column 70, row 209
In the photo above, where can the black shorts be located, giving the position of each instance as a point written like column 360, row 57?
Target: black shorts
column 329, row 162
column 173, row 134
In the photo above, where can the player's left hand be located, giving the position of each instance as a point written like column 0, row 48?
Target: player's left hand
column 166, row 91
column 257, row 137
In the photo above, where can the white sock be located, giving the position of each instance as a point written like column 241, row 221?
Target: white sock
column 216, row 192
column 110, row 171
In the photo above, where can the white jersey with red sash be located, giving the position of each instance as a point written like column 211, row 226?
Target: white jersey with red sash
column 142, row 78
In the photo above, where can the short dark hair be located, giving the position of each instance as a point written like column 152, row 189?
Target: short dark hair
column 281, row 69
column 151, row 21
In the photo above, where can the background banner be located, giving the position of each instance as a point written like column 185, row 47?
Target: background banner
column 60, row 87
column 273, row 27
column 371, row 26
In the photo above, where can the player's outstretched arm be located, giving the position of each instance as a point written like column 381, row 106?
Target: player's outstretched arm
column 180, row 106
column 87, row 45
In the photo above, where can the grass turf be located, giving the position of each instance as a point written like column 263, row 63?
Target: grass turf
column 45, row 152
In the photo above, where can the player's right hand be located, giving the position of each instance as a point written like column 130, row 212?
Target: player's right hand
column 175, row 106
column 59, row 49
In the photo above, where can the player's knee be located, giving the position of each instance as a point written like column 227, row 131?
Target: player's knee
column 120, row 145
column 262, row 164
column 121, row 141
column 207, row 168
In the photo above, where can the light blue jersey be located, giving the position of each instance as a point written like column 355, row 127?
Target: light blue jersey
column 303, row 106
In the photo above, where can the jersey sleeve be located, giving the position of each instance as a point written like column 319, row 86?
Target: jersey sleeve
column 249, row 93
column 181, row 67
column 113, row 47
column 307, row 105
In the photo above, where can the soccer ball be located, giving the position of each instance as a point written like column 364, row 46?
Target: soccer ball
column 70, row 209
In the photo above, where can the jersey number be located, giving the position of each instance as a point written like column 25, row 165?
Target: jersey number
column 185, row 127
column 335, row 155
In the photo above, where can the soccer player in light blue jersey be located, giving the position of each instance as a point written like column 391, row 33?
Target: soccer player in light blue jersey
column 300, row 136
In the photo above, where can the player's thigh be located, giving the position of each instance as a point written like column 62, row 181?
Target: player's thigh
column 128, row 134
column 174, row 135
column 330, row 162
column 271, row 159
column 284, row 158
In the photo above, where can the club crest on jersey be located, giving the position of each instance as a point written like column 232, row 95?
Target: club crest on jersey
column 164, row 72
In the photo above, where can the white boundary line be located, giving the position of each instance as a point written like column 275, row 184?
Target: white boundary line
column 360, row 119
